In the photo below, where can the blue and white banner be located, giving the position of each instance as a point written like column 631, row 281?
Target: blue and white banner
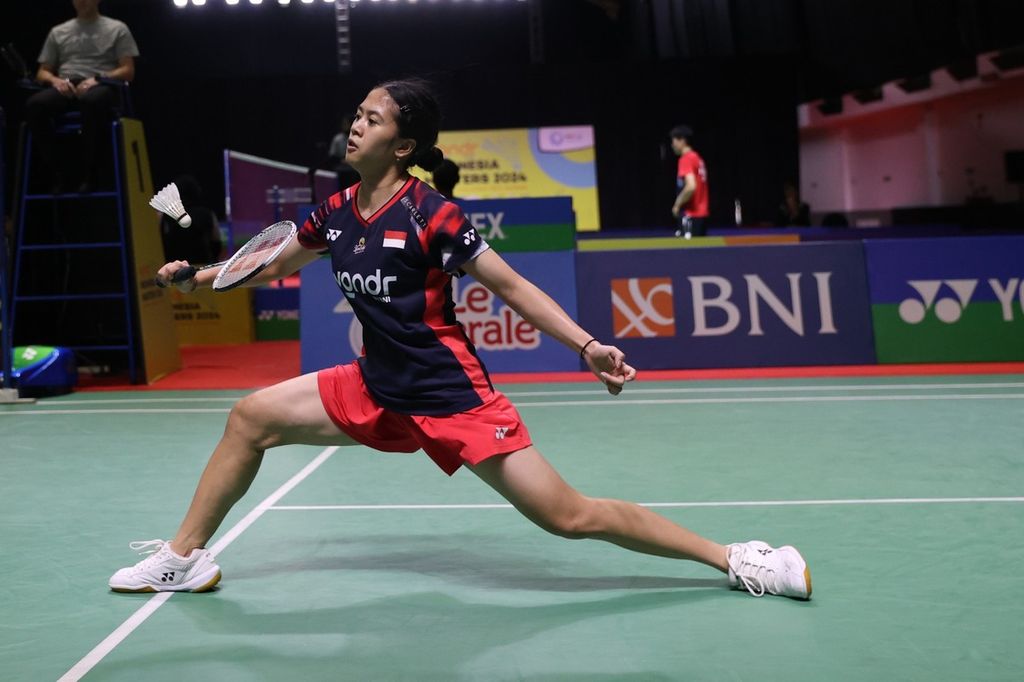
column 777, row 305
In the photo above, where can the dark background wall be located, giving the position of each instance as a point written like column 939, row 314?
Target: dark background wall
column 264, row 80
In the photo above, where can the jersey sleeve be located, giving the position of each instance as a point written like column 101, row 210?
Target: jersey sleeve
column 451, row 240
column 687, row 165
column 311, row 234
column 49, row 54
column 124, row 43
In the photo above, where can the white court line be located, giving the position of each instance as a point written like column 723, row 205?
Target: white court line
column 598, row 402
column 746, row 503
column 90, row 660
column 596, row 391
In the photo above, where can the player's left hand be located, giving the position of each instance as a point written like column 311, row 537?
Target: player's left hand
column 85, row 86
column 608, row 363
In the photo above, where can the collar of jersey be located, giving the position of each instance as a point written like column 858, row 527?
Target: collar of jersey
column 388, row 204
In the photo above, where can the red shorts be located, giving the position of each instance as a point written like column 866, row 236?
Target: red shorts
column 470, row 437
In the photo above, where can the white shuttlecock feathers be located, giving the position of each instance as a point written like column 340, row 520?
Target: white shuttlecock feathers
column 168, row 201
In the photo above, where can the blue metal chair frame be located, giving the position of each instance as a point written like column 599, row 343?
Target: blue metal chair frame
column 5, row 302
column 125, row 294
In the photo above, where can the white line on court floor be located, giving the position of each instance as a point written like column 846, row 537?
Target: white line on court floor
column 747, row 503
column 597, row 391
column 90, row 660
column 597, row 402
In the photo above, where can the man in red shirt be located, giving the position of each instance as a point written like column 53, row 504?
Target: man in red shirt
column 691, row 205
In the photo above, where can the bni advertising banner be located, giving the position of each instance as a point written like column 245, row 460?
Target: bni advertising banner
column 947, row 300
column 526, row 162
column 775, row 305
column 505, row 342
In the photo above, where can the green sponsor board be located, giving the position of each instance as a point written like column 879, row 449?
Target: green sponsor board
column 979, row 334
column 526, row 238
column 277, row 330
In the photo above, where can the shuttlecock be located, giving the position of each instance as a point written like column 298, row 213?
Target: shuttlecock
column 168, row 201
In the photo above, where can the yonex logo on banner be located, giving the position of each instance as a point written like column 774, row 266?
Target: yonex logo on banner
column 642, row 307
column 948, row 309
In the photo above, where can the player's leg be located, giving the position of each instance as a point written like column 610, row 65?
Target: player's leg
column 533, row 487
column 286, row 413
column 289, row 412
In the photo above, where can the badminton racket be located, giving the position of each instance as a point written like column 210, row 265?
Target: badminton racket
column 249, row 261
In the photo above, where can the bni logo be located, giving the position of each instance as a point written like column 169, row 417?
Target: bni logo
column 948, row 310
column 642, row 307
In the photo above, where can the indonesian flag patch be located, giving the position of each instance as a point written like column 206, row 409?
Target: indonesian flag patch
column 394, row 239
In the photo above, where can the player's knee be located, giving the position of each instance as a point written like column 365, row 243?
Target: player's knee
column 248, row 420
column 575, row 523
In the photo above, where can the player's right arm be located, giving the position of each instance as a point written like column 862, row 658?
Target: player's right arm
column 47, row 75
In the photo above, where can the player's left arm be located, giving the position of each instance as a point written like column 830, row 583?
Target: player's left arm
column 540, row 310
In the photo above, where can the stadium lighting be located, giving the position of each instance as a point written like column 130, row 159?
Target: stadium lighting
column 231, row 2
column 180, row 3
column 198, row 3
column 283, row 2
column 255, row 2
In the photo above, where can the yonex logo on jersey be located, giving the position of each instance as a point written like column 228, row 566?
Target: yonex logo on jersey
column 375, row 285
column 500, row 431
column 469, row 237
column 333, row 234
column 642, row 307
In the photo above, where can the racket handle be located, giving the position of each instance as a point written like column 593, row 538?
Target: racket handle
column 183, row 275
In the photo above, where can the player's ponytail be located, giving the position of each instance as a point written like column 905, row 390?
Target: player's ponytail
column 419, row 118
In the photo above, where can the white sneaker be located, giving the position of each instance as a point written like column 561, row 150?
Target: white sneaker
column 758, row 568
column 165, row 571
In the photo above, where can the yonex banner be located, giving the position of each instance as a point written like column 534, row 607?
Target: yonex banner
column 730, row 307
column 545, row 224
column 952, row 299
column 331, row 334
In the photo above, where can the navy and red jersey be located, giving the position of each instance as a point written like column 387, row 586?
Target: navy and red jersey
column 395, row 269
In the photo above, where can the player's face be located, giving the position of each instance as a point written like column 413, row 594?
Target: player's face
column 374, row 140
column 86, row 6
column 678, row 145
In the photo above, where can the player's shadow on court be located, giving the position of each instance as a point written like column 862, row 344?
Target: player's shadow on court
column 414, row 636
column 445, row 557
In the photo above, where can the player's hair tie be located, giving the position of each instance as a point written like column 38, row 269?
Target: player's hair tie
column 584, row 349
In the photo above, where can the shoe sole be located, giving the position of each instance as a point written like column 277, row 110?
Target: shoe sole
column 204, row 584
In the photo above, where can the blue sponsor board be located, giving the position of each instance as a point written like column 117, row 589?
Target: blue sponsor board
column 505, row 342
column 947, row 300
column 976, row 260
column 777, row 305
column 523, row 211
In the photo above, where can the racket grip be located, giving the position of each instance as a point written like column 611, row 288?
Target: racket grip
column 183, row 275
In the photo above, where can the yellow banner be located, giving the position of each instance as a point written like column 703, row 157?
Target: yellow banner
column 206, row 317
column 526, row 162
column 159, row 344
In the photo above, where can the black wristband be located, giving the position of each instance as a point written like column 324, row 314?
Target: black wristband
column 583, row 350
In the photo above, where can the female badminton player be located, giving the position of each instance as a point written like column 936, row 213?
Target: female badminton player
column 394, row 245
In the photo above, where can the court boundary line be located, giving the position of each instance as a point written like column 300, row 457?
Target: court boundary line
column 597, row 402
column 600, row 391
column 100, row 651
column 662, row 505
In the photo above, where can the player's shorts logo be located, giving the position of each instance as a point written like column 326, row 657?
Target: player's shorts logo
column 642, row 307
